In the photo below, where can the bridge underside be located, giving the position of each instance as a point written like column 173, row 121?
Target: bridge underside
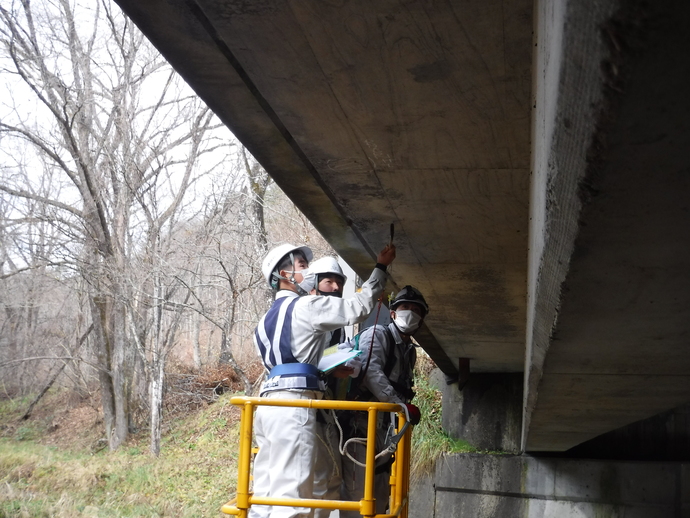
column 532, row 156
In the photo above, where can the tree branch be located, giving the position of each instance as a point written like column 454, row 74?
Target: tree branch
column 31, row 196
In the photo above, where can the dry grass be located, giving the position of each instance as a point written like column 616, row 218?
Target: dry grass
column 55, row 464
column 193, row 477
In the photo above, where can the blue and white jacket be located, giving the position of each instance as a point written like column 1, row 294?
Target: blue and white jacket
column 297, row 329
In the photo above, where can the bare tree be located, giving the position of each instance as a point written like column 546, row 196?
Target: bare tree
column 226, row 274
column 121, row 138
column 122, row 220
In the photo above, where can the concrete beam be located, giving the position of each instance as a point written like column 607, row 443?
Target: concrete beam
column 567, row 99
column 609, row 292
column 367, row 113
column 190, row 41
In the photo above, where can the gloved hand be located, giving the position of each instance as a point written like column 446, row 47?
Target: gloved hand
column 414, row 413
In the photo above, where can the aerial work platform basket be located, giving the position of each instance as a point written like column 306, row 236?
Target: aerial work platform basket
column 400, row 470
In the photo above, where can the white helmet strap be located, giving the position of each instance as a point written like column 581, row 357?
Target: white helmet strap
column 276, row 274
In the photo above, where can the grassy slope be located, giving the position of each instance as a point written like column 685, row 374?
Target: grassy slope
column 193, row 477
column 54, row 465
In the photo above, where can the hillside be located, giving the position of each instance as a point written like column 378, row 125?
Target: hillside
column 56, row 464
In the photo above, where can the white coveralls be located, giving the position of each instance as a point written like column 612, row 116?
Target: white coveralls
column 328, row 475
column 286, row 436
column 381, row 390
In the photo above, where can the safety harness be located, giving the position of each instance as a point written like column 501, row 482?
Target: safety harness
column 293, row 376
column 273, row 336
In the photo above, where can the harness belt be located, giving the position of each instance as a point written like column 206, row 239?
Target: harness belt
column 293, row 376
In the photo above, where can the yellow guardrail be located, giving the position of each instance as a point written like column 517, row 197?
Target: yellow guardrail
column 400, row 470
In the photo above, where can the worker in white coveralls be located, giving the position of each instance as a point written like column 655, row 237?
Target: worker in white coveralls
column 330, row 281
column 388, row 358
column 291, row 338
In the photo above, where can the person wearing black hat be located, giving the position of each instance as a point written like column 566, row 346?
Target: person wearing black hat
column 388, row 358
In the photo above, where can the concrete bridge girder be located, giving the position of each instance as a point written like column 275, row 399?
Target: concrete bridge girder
column 471, row 125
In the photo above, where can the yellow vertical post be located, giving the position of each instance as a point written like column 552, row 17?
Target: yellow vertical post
column 396, row 471
column 244, row 461
column 369, row 501
column 406, row 448
column 393, row 493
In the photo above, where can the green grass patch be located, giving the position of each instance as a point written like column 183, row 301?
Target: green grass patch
column 38, row 480
column 429, row 441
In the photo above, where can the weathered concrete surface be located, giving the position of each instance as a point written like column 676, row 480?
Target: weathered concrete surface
column 569, row 90
column 368, row 113
column 487, row 413
column 422, row 497
column 446, row 119
column 491, row 486
column 663, row 437
column 609, row 290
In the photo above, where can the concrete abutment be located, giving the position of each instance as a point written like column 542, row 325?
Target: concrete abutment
column 523, row 486
column 487, row 411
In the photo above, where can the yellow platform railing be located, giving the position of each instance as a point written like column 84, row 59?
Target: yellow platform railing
column 400, row 470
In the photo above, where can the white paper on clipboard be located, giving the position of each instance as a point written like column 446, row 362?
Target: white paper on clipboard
column 332, row 357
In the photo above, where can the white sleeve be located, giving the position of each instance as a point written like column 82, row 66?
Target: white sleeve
column 330, row 313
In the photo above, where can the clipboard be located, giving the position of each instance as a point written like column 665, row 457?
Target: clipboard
column 332, row 357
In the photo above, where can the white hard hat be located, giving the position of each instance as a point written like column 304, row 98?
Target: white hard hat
column 327, row 264
column 275, row 256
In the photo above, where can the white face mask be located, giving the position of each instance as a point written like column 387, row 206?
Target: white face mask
column 407, row 321
column 308, row 280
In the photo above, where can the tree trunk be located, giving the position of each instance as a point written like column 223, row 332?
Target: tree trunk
column 99, row 313
column 119, row 378
column 196, row 324
column 196, row 332
column 227, row 358
column 161, row 347
column 156, row 389
column 109, row 329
